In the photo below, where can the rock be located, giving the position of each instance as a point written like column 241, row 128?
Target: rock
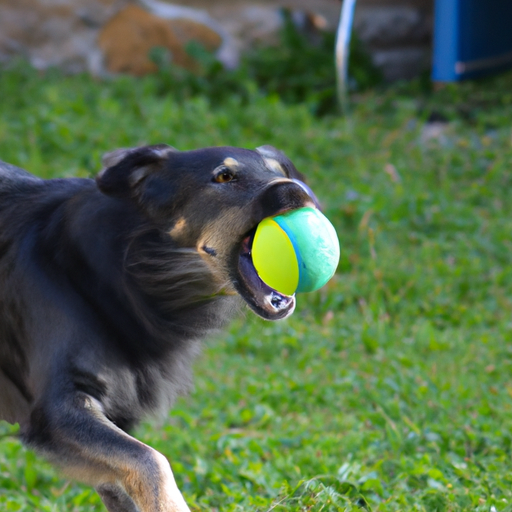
column 254, row 24
column 197, row 24
column 190, row 30
column 401, row 63
column 398, row 37
column 127, row 39
column 54, row 33
column 97, row 35
column 392, row 26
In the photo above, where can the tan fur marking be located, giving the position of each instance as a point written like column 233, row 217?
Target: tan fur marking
column 179, row 227
column 230, row 163
column 274, row 165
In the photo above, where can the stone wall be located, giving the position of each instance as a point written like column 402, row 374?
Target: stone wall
column 398, row 34
column 115, row 35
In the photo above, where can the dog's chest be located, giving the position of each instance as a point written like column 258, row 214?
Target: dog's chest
column 131, row 390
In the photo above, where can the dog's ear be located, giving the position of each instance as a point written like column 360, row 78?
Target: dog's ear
column 278, row 161
column 125, row 169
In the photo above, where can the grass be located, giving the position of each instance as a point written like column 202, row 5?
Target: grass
column 389, row 389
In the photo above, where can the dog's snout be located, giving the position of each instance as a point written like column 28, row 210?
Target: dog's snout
column 284, row 195
column 308, row 191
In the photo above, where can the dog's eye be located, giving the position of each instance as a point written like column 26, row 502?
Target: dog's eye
column 224, row 175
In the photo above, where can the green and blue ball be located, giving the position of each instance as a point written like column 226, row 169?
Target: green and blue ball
column 297, row 251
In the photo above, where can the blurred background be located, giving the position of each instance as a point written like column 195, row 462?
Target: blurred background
column 114, row 35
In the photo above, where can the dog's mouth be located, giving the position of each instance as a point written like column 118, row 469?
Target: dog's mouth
column 261, row 298
column 281, row 196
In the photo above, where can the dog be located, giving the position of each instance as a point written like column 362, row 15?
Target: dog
column 107, row 288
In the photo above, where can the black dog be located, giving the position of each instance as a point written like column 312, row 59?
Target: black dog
column 106, row 288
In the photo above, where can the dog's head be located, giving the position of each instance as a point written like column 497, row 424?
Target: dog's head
column 211, row 200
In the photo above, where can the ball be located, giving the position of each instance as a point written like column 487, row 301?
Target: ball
column 297, row 251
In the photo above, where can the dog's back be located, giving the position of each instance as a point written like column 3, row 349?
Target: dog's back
column 26, row 203
column 15, row 185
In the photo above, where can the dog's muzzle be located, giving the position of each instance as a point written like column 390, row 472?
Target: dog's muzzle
column 279, row 196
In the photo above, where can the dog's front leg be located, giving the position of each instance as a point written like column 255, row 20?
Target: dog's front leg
column 129, row 475
column 116, row 499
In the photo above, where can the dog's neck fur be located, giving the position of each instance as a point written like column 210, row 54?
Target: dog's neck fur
column 161, row 287
column 145, row 294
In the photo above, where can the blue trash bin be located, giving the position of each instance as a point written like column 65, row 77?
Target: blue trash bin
column 471, row 38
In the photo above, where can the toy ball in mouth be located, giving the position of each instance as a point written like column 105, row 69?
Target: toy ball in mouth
column 297, row 251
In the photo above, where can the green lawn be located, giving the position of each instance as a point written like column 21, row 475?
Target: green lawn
column 387, row 390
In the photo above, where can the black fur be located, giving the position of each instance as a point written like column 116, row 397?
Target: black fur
column 106, row 289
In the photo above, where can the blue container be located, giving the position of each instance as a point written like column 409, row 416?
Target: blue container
column 471, row 38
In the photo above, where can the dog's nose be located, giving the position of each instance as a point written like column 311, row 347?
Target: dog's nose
column 282, row 195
